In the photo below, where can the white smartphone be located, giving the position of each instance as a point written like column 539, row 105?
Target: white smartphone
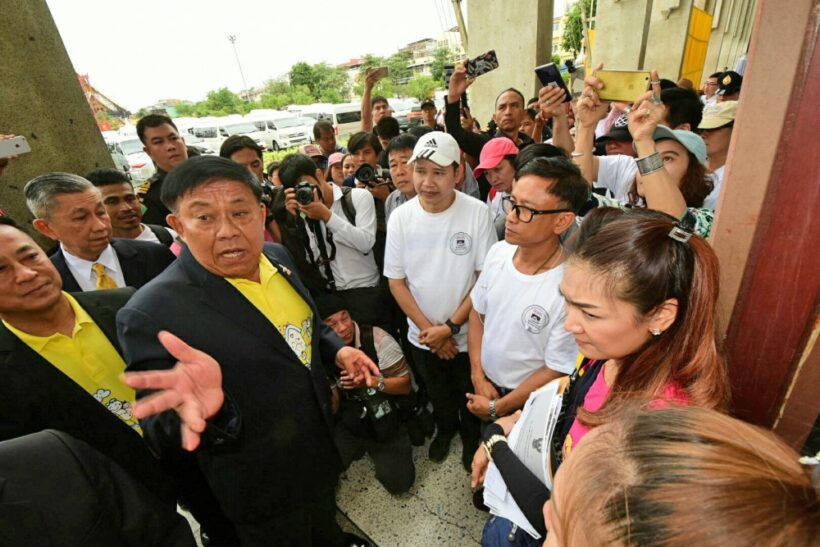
column 14, row 147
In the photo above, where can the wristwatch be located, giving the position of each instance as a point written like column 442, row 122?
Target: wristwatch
column 454, row 329
column 490, row 443
column 380, row 385
column 493, row 414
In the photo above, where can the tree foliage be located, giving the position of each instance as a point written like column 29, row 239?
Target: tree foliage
column 421, row 87
column 321, row 80
column 573, row 27
column 442, row 56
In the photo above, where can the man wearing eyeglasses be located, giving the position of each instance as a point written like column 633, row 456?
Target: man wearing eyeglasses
column 517, row 341
column 497, row 162
column 436, row 244
column 710, row 87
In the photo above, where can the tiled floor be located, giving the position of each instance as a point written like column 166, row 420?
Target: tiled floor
column 438, row 510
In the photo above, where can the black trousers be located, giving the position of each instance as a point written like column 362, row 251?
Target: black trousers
column 393, row 458
column 312, row 526
column 447, row 383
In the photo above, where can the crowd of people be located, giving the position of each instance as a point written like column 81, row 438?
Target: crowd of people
column 277, row 322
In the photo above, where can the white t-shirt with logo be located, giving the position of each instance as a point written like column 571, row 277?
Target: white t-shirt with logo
column 616, row 174
column 524, row 320
column 438, row 254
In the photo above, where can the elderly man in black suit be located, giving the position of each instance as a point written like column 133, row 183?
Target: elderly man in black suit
column 69, row 209
column 253, row 398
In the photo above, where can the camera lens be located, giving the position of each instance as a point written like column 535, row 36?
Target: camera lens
column 365, row 173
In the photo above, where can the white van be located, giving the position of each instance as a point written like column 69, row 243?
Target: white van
column 280, row 129
column 214, row 132
column 137, row 162
column 345, row 117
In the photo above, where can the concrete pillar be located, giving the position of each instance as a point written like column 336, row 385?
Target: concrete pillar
column 642, row 35
column 731, row 31
column 41, row 99
column 520, row 32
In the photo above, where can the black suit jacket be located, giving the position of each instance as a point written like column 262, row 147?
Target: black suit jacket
column 270, row 448
column 141, row 262
column 56, row 490
column 34, row 395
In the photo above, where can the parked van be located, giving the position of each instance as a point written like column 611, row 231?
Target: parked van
column 345, row 117
column 214, row 131
column 281, row 129
column 129, row 156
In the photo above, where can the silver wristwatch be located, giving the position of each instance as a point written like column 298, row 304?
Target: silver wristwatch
column 493, row 414
column 380, row 385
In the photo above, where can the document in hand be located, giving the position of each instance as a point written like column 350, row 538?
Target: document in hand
column 530, row 441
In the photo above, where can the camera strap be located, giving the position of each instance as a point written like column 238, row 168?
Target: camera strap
column 325, row 259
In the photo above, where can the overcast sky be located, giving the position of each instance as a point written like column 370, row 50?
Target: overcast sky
column 139, row 51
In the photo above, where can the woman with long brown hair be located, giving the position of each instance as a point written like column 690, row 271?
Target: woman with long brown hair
column 678, row 477
column 640, row 295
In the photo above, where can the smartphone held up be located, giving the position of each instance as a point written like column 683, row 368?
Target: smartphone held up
column 622, row 85
column 550, row 75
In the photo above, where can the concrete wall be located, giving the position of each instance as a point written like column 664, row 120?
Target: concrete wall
column 731, row 33
column 619, row 34
column 647, row 34
column 41, row 99
column 520, row 32
column 642, row 35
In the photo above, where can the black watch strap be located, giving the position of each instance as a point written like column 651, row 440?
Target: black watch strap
column 455, row 329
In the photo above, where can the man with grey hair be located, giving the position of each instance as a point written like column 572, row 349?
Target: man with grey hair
column 69, row 209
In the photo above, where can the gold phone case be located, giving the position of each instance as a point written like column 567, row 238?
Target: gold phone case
column 623, row 85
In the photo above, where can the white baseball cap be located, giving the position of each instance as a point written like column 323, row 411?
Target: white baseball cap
column 439, row 147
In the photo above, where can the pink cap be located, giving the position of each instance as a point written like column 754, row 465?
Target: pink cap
column 335, row 157
column 493, row 152
column 311, row 150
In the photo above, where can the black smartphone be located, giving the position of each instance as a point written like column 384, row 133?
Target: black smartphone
column 464, row 103
column 549, row 74
column 482, row 64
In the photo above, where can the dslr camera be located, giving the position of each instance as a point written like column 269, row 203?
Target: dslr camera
column 372, row 176
column 305, row 192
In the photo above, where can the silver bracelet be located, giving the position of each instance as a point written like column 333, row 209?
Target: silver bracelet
column 492, row 413
column 649, row 164
column 576, row 154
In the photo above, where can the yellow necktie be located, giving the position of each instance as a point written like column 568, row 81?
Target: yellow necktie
column 104, row 281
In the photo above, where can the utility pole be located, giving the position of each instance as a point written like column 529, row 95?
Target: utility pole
column 232, row 40
column 462, row 28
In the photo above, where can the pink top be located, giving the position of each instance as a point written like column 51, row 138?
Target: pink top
column 596, row 396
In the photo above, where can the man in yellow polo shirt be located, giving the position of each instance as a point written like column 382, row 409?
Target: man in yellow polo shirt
column 252, row 399
column 60, row 363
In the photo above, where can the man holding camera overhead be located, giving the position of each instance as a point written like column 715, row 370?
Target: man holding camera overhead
column 341, row 228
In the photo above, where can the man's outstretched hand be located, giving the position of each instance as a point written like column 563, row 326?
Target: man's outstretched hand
column 357, row 365
column 192, row 389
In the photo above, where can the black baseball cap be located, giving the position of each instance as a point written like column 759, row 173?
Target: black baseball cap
column 428, row 102
column 729, row 83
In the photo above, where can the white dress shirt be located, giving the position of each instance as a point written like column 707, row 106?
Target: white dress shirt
column 148, row 234
column 85, row 276
column 354, row 266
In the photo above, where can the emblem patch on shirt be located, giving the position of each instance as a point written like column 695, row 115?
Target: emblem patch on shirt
column 534, row 319
column 461, row 243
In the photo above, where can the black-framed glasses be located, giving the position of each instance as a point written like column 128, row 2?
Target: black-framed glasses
column 525, row 214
